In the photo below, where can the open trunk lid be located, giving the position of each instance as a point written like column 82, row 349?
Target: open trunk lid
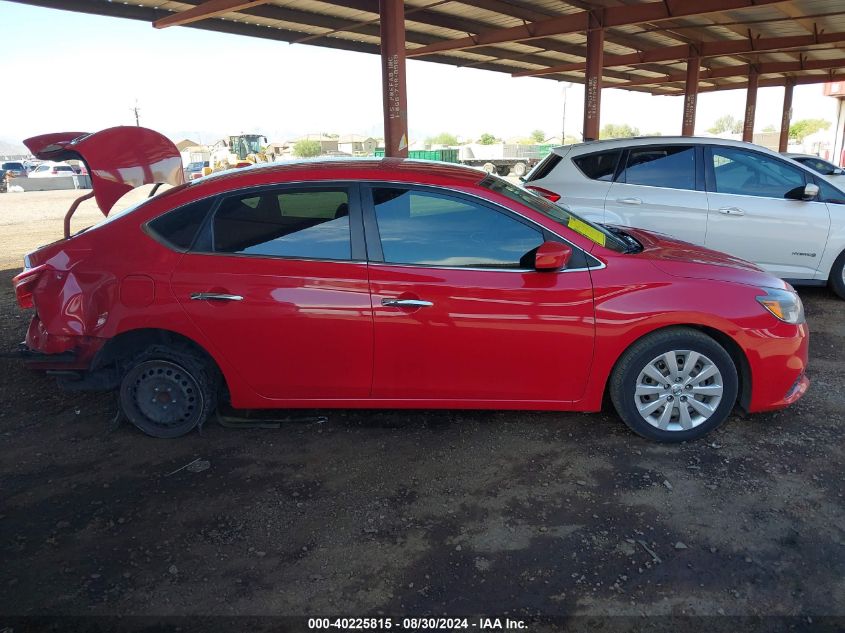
column 118, row 159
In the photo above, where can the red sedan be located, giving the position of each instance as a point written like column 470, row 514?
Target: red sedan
column 394, row 284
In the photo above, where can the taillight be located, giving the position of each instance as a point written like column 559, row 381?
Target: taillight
column 24, row 284
column 548, row 195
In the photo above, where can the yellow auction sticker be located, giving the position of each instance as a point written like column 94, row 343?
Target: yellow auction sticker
column 581, row 227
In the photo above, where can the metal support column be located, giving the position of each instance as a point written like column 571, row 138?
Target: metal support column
column 690, row 96
column 592, row 79
column 392, row 14
column 786, row 117
column 750, row 105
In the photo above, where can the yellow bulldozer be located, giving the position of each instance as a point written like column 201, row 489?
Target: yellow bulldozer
column 241, row 150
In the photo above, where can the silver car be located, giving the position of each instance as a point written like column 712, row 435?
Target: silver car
column 730, row 196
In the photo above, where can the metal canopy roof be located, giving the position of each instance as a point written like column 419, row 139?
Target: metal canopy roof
column 646, row 43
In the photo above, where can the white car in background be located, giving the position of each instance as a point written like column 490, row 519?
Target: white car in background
column 52, row 170
column 834, row 174
column 730, row 196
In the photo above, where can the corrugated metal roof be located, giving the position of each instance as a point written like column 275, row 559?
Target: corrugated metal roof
column 353, row 25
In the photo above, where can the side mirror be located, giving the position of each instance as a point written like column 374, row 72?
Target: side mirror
column 808, row 192
column 838, row 171
column 552, row 256
column 811, row 191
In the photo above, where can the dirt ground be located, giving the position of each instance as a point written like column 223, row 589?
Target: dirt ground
column 409, row 513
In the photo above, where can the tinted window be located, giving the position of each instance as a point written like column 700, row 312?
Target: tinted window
column 600, row 166
column 179, row 227
column 63, row 168
column 289, row 223
column 13, row 166
column 747, row 173
column 829, row 193
column 670, row 166
column 425, row 228
column 819, row 165
column 544, row 168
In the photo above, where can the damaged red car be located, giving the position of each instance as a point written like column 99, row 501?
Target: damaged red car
column 392, row 284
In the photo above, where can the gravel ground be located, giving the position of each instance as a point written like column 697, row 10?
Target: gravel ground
column 409, row 513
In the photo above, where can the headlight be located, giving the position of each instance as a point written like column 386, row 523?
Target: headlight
column 783, row 304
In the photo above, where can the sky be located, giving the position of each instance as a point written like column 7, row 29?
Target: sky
column 86, row 73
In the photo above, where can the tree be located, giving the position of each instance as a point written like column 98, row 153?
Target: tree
column 770, row 128
column 621, row 130
column 799, row 130
column 538, row 136
column 306, row 149
column 487, row 139
column 726, row 123
column 444, row 138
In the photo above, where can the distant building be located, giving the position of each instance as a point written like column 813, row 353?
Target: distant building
column 185, row 144
column 357, row 145
column 328, row 144
column 279, row 151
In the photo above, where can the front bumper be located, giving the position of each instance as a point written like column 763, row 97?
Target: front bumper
column 777, row 360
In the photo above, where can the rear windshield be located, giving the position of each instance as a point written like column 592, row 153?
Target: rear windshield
column 17, row 166
column 594, row 232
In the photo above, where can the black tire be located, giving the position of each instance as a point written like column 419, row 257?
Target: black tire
column 638, row 359
column 837, row 276
column 167, row 391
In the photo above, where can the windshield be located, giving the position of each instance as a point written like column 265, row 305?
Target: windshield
column 594, row 232
column 16, row 166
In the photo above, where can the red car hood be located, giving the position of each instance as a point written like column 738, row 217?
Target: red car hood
column 683, row 259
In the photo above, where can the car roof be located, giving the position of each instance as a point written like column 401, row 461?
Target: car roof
column 639, row 141
column 403, row 169
column 794, row 155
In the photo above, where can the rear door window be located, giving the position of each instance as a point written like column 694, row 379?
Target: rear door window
column 667, row 166
column 309, row 223
column 598, row 166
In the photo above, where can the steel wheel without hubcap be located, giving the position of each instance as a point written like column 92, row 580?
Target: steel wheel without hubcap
column 163, row 395
column 678, row 390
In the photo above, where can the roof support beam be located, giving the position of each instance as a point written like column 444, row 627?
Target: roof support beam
column 778, row 82
column 592, row 81
column 395, row 96
column 705, row 49
column 690, row 96
column 740, row 71
column 786, row 116
column 608, row 17
column 750, row 104
column 208, row 9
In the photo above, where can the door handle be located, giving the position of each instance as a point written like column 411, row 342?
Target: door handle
column 215, row 296
column 629, row 200
column 731, row 211
column 406, row 303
